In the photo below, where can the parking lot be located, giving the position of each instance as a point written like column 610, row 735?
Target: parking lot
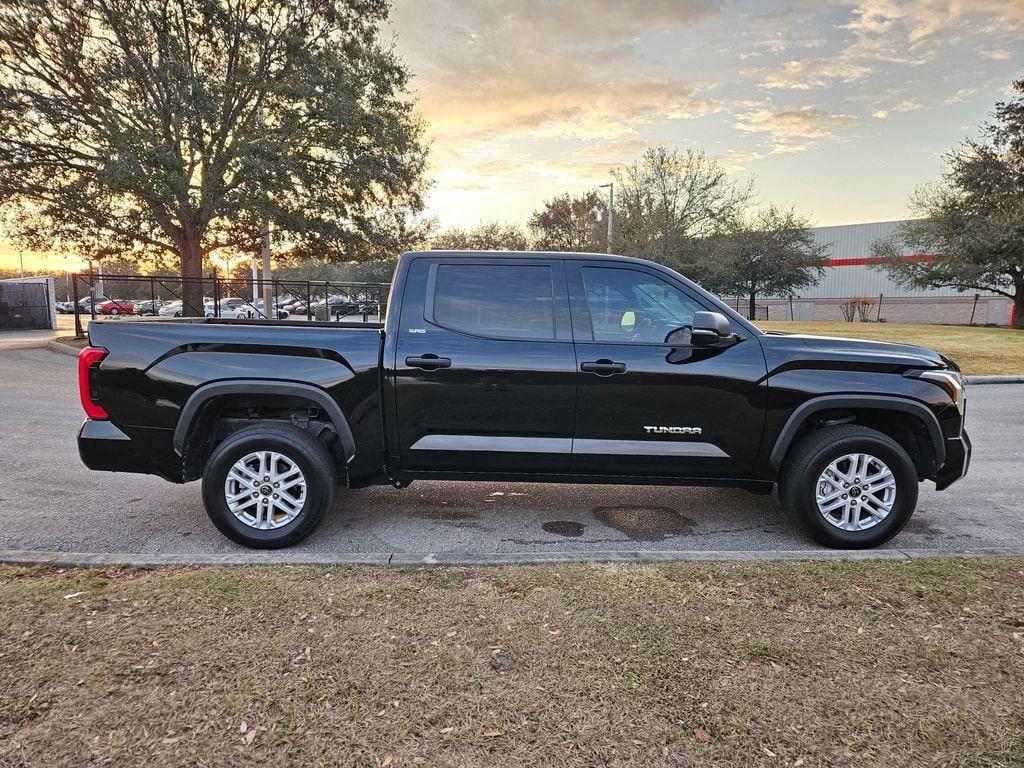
column 50, row 502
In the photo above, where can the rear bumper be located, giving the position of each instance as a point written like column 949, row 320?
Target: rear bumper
column 103, row 446
column 958, row 460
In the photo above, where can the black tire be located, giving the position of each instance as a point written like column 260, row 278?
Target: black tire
column 299, row 447
column 811, row 456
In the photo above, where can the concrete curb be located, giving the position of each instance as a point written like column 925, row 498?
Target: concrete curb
column 64, row 349
column 30, row 557
column 1006, row 378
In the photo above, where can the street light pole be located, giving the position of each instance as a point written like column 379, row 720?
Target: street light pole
column 611, row 211
column 21, row 261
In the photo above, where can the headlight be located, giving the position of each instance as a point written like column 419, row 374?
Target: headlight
column 952, row 382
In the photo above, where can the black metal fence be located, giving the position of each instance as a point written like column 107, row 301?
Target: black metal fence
column 127, row 296
column 24, row 305
column 742, row 307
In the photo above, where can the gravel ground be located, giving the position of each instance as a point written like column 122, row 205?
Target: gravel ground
column 50, row 502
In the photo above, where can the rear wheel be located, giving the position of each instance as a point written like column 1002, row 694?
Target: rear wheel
column 269, row 485
column 849, row 486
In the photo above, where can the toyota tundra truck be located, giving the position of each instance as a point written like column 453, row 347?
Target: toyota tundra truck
column 526, row 367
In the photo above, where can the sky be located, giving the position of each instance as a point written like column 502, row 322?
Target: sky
column 839, row 108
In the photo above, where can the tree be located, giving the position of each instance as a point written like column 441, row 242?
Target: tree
column 183, row 126
column 972, row 222
column 489, row 236
column 772, row 253
column 668, row 200
column 568, row 223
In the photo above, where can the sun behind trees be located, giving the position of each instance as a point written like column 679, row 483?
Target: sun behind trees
column 181, row 128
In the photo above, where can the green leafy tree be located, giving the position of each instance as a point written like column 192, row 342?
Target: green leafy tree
column 771, row 253
column 571, row 223
column 668, row 201
column 489, row 236
column 182, row 126
column 972, row 221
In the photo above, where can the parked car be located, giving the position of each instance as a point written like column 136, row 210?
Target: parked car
column 116, row 307
column 174, row 309
column 538, row 367
column 149, row 307
column 256, row 308
column 64, row 307
column 341, row 308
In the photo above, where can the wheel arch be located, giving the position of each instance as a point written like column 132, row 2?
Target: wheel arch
column 193, row 409
column 871, row 407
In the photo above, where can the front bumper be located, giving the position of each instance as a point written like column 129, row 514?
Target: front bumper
column 958, row 460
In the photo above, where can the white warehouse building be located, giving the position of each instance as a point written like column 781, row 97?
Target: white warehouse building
column 850, row 274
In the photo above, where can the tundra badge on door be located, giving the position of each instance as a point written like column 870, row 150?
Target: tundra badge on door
column 672, row 430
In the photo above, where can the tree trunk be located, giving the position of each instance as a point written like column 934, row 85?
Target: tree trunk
column 752, row 311
column 192, row 276
column 1018, row 307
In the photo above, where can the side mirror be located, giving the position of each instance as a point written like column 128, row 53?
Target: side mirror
column 709, row 328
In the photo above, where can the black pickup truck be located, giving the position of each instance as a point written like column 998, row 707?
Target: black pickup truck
column 553, row 367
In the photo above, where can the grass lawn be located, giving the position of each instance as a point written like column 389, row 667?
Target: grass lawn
column 976, row 349
column 845, row 663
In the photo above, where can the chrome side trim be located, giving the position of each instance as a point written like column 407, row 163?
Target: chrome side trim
column 648, row 448
column 565, row 445
column 501, row 444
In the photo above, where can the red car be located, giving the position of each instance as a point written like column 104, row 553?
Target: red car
column 116, row 307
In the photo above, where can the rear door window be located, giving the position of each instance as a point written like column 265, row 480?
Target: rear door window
column 505, row 301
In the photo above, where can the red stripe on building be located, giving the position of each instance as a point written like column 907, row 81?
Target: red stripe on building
column 864, row 261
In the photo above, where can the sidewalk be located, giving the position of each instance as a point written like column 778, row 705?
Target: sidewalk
column 26, row 339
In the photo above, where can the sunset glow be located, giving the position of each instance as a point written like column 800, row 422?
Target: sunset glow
column 840, row 108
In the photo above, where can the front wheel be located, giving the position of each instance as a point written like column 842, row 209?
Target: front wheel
column 269, row 485
column 850, row 486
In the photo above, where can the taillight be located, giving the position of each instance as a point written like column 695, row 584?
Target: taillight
column 88, row 381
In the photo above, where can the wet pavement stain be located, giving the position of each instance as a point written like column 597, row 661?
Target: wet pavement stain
column 564, row 528
column 923, row 527
column 641, row 523
column 446, row 513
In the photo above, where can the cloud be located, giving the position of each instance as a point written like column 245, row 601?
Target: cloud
column 794, row 130
column 999, row 54
column 543, row 67
column 491, row 72
column 900, row 32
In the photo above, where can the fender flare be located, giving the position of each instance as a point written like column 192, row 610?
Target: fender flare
column 207, row 392
column 880, row 402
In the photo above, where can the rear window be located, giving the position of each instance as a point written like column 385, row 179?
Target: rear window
column 500, row 300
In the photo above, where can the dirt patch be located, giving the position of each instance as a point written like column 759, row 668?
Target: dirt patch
column 642, row 523
column 564, row 528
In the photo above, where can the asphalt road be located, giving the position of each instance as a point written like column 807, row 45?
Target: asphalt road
column 50, row 502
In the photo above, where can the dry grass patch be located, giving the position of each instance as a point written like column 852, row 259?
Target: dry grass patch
column 71, row 341
column 977, row 350
column 871, row 663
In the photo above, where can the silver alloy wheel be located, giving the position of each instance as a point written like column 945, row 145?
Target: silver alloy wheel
column 265, row 490
column 856, row 492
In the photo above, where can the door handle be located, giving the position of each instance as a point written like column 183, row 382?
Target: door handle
column 603, row 367
column 429, row 362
